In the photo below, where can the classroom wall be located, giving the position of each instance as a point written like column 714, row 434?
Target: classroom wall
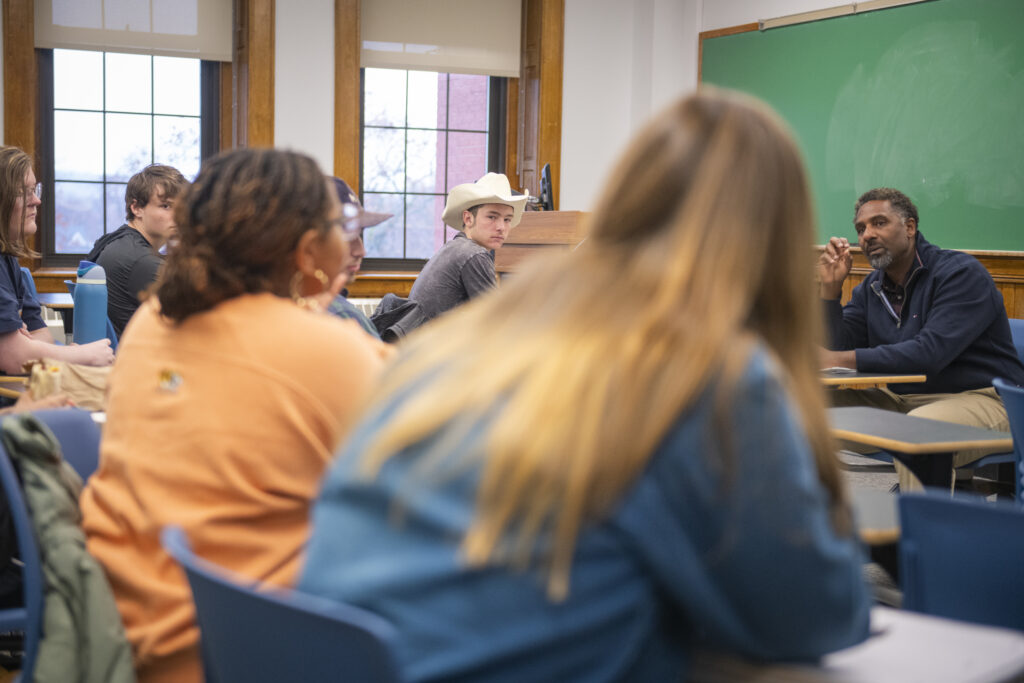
column 632, row 58
column 629, row 58
column 304, row 79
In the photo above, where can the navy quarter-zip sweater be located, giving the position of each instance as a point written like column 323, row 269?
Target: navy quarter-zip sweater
column 952, row 328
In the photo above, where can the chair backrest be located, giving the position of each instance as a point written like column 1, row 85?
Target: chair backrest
column 29, row 617
column 1013, row 399
column 276, row 635
column 79, row 437
column 962, row 559
column 1017, row 333
column 28, row 280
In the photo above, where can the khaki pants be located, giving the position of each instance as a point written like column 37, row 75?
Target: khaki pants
column 976, row 408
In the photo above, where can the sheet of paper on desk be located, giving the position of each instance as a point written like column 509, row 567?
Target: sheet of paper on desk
column 836, row 370
column 906, row 646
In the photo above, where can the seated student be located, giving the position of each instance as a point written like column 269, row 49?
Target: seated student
column 359, row 218
column 131, row 254
column 923, row 310
column 463, row 268
column 23, row 334
column 622, row 453
column 229, row 396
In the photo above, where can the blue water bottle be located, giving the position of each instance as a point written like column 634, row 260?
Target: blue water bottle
column 90, row 303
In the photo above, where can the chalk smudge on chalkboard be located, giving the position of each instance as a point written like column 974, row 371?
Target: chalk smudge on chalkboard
column 956, row 146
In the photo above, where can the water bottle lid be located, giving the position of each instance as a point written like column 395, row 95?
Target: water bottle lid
column 84, row 266
column 93, row 275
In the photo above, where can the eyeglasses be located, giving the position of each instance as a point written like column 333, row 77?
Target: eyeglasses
column 36, row 191
column 349, row 222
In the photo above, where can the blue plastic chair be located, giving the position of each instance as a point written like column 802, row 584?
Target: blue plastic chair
column 27, row 618
column 1013, row 399
column 1017, row 333
column 78, row 435
column 278, row 635
column 962, row 559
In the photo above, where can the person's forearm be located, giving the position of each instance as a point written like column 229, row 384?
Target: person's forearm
column 830, row 290
column 840, row 359
column 13, row 356
column 43, row 335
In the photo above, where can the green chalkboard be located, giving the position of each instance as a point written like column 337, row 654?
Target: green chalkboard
column 927, row 98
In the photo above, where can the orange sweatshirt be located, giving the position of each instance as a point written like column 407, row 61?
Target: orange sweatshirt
column 223, row 425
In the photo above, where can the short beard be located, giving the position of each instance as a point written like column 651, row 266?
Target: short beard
column 882, row 261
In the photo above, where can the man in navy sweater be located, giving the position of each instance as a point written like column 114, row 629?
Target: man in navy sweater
column 924, row 310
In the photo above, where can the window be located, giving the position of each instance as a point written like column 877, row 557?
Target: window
column 423, row 133
column 110, row 115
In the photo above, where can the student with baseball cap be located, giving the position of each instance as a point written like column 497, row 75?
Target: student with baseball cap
column 356, row 219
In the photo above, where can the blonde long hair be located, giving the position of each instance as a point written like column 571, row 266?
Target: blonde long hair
column 578, row 368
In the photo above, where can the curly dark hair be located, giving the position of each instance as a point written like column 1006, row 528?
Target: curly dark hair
column 238, row 223
column 899, row 201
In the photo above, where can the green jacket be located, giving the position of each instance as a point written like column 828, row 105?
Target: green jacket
column 83, row 638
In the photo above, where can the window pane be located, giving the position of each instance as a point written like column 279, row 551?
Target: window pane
column 176, row 143
column 468, row 98
column 385, row 240
column 383, row 97
column 467, row 157
column 176, row 86
column 115, row 206
column 383, row 159
column 77, row 79
column 423, row 226
column 129, row 145
column 79, row 211
column 426, row 99
column 128, row 82
column 77, row 145
column 425, row 161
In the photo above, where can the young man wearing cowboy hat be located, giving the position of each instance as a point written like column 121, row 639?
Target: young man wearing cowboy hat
column 463, row 268
column 355, row 218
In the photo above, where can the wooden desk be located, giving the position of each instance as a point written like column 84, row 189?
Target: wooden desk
column 925, row 446
column 58, row 300
column 865, row 380
column 903, row 646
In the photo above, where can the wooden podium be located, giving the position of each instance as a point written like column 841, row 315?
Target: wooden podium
column 538, row 231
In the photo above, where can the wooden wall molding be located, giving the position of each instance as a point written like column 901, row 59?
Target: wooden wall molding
column 252, row 84
column 20, row 75
column 376, row 285
column 348, row 110
column 539, row 111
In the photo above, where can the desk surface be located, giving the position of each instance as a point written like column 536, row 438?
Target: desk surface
column 56, row 299
column 903, row 646
column 901, row 433
column 865, row 380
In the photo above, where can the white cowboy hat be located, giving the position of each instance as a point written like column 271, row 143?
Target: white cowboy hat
column 493, row 188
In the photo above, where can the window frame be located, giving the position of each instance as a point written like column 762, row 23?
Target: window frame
column 209, row 145
column 497, row 92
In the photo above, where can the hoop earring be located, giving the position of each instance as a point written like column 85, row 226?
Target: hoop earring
column 307, row 303
column 322, row 278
